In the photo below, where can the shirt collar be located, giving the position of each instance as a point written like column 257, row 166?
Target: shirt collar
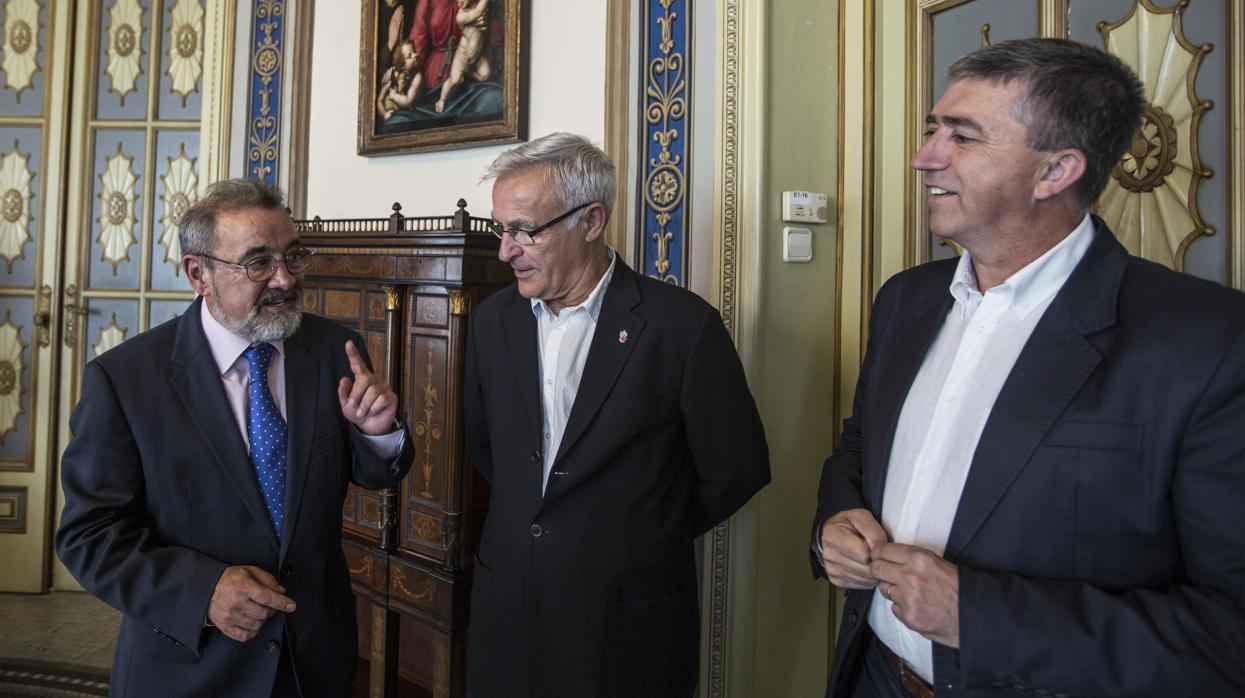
column 1037, row 280
column 225, row 345
column 592, row 303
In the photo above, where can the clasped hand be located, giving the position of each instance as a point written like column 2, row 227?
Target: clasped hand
column 923, row 588
column 367, row 401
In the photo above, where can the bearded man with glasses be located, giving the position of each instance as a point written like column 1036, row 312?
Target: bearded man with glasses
column 210, row 458
column 610, row 413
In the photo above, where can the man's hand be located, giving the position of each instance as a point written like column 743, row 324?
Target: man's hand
column 847, row 541
column 367, row 401
column 924, row 590
column 245, row 597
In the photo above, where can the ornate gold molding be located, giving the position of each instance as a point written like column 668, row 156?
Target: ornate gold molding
column 1236, row 180
column 460, row 301
column 618, row 116
column 1151, row 199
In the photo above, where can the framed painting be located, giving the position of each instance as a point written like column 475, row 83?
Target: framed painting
column 441, row 74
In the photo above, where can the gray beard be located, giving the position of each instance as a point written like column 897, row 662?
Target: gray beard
column 256, row 328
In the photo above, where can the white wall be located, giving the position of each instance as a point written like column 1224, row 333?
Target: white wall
column 566, row 93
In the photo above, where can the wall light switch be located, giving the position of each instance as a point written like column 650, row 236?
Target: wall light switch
column 804, row 207
column 797, row 245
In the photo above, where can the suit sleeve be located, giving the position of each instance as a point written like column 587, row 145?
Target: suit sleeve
column 369, row 469
column 840, row 488
column 724, row 431
column 479, row 445
column 105, row 538
column 1188, row 639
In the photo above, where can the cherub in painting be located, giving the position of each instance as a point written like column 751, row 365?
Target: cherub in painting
column 470, row 56
column 401, row 83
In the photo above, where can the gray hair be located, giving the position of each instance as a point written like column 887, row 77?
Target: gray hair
column 579, row 171
column 196, row 231
column 1077, row 96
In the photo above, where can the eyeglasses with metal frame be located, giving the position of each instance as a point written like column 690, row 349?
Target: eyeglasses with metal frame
column 263, row 268
column 528, row 237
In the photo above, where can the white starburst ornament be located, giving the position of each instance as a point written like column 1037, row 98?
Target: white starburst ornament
column 180, row 187
column 117, row 193
column 125, row 51
column 15, row 195
column 186, row 48
column 21, row 44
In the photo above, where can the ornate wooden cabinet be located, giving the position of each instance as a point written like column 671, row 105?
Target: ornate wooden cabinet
column 408, row 286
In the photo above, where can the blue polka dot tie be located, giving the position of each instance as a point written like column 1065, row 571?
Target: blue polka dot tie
column 266, row 431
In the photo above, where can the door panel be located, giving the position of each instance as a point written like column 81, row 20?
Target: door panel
column 33, row 61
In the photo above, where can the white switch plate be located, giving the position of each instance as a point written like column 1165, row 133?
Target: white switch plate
column 804, row 207
column 797, row 245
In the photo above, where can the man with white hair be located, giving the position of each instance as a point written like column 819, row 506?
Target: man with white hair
column 610, row 413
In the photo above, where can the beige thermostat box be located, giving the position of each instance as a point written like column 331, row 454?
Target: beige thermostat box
column 804, row 207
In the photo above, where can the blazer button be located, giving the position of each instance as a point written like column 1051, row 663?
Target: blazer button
column 536, row 456
column 536, row 531
column 274, row 646
column 853, row 618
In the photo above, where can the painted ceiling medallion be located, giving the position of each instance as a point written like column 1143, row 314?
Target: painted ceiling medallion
column 125, row 22
column 186, row 48
column 110, row 336
column 15, row 195
column 1151, row 198
column 21, row 44
column 180, row 187
column 11, row 367
column 117, row 193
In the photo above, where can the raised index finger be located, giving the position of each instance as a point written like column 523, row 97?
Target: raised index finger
column 357, row 365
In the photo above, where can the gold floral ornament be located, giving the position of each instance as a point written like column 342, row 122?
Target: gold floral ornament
column 110, row 336
column 180, row 186
column 15, row 195
column 21, row 44
column 186, row 48
column 11, row 366
column 117, row 193
column 1151, row 198
column 125, row 22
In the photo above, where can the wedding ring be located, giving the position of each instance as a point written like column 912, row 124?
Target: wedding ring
column 887, row 588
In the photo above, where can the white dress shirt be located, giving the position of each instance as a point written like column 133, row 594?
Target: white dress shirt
column 947, row 407
column 235, row 375
column 563, row 340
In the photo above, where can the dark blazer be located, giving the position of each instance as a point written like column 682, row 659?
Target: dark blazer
column 161, row 496
column 1098, row 536
column 591, row 589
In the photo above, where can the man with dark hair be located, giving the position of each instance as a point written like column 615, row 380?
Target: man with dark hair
column 610, row 413
column 210, row 457
column 1040, row 485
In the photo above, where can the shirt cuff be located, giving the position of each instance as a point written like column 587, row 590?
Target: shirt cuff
column 387, row 446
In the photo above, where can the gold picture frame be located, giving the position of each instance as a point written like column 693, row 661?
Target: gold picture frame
column 441, row 74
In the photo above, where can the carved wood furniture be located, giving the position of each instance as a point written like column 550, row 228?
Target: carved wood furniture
column 407, row 284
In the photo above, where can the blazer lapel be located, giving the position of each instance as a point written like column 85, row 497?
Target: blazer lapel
column 519, row 327
column 196, row 380
column 302, row 393
column 1052, row 367
column 607, row 353
column 908, row 347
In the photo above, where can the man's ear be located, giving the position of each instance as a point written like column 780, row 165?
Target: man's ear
column 1059, row 172
column 196, row 273
column 594, row 222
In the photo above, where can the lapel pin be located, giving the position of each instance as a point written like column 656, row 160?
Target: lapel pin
column 622, row 336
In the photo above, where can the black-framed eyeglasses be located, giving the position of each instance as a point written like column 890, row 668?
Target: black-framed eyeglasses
column 528, row 237
column 262, row 268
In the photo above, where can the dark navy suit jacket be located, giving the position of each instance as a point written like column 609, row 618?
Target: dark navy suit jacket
column 161, row 496
column 590, row 589
column 1098, row 537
